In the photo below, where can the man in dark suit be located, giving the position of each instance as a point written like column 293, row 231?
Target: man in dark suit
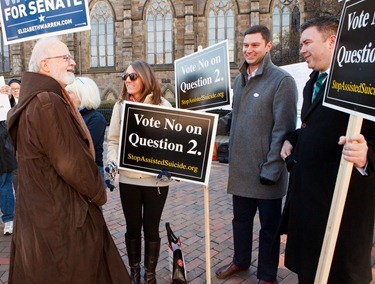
column 313, row 154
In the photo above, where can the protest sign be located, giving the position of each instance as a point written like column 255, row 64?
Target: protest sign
column 203, row 78
column 157, row 138
column 350, row 87
column 4, row 102
column 4, row 106
column 23, row 20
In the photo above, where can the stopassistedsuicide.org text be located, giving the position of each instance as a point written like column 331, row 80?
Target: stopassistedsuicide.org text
column 164, row 163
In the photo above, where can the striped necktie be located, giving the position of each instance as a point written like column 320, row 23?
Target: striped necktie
column 318, row 84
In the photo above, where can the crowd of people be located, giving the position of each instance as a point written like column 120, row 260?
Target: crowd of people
column 54, row 174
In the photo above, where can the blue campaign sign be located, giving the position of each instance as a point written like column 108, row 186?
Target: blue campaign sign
column 23, row 20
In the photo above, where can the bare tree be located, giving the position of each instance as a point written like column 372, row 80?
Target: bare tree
column 286, row 50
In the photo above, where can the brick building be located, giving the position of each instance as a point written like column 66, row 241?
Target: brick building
column 161, row 31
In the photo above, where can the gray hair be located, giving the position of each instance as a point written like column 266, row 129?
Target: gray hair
column 41, row 51
column 87, row 92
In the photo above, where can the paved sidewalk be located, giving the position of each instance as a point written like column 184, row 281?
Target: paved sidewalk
column 185, row 211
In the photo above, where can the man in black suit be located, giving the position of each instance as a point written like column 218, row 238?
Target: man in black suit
column 313, row 154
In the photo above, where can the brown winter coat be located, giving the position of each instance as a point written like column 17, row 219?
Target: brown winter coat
column 60, row 235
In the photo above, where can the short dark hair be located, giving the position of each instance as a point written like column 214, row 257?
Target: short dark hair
column 263, row 30
column 326, row 25
column 14, row 80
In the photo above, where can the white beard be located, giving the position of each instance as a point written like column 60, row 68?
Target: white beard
column 65, row 78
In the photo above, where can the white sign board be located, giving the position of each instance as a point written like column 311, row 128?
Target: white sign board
column 4, row 102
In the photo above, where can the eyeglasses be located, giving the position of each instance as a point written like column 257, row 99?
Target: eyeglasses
column 66, row 57
column 132, row 76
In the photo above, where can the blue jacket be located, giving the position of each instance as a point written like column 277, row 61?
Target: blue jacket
column 96, row 124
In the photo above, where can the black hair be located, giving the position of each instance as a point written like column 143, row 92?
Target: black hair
column 14, row 80
column 263, row 30
column 326, row 25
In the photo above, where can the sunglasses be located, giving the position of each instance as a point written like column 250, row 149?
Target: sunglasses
column 132, row 76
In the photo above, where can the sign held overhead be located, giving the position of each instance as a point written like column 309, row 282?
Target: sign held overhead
column 351, row 86
column 203, row 78
column 24, row 20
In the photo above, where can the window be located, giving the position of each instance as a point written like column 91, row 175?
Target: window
column 102, row 36
column 221, row 24
column 4, row 56
column 285, row 25
column 159, row 32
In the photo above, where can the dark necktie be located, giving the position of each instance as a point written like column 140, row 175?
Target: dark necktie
column 318, row 84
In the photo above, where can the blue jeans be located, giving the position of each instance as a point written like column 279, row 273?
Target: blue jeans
column 244, row 210
column 101, row 170
column 6, row 197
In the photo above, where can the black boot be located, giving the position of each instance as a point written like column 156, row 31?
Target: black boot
column 133, row 248
column 151, row 260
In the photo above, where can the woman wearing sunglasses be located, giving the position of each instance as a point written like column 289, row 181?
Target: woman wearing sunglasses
column 142, row 195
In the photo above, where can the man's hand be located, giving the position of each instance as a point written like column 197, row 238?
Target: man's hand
column 286, row 150
column 354, row 150
column 110, row 172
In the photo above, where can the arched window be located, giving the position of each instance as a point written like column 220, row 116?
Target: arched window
column 285, row 25
column 102, row 36
column 4, row 56
column 159, row 32
column 221, row 24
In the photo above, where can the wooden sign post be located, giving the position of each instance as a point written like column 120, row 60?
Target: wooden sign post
column 337, row 208
column 207, row 234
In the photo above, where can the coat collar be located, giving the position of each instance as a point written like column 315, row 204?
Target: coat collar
column 309, row 106
column 31, row 85
column 261, row 69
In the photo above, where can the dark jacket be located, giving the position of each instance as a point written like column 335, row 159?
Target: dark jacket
column 60, row 235
column 316, row 159
column 8, row 161
column 96, row 124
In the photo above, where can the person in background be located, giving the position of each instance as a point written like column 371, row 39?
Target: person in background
column 86, row 97
column 12, row 89
column 142, row 195
column 60, row 235
column 8, row 164
column 314, row 152
column 264, row 111
column 15, row 86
